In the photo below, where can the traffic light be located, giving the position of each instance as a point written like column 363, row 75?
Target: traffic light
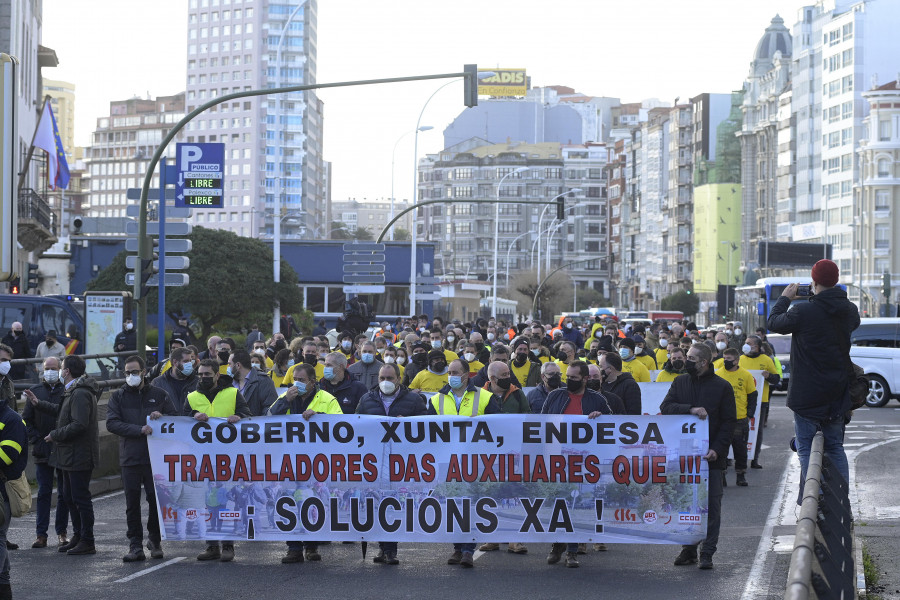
column 470, row 92
column 31, row 278
column 147, row 271
column 560, row 208
column 886, row 285
column 14, row 286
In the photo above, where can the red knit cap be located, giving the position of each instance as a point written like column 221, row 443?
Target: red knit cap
column 825, row 273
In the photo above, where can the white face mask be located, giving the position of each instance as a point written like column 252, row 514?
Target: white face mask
column 5, row 367
column 738, row 331
column 469, row 356
column 451, row 338
column 259, row 352
column 133, row 380
column 720, row 346
column 491, row 337
column 51, row 376
column 746, row 349
column 128, row 326
column 387, row 387
column 388, row 360
column 663, row 343
column 401, row 360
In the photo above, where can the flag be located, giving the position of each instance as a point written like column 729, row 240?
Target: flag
column 46, row 137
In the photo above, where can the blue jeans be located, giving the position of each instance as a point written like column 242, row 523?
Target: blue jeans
column 805, row 430
column 467, row 547
column 44, row 473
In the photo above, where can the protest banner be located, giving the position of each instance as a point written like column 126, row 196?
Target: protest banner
column 526, row 478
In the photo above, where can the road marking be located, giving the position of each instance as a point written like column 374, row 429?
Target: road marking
column 110, row 495
column 151, row 569
column 855, row 504
column 477, row 554
column 784, row 543
column 852, row 445
column 753, row 587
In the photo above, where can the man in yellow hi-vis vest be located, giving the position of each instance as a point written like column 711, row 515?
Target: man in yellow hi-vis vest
column 221, row 401
column 459, row 397
column 306, row 399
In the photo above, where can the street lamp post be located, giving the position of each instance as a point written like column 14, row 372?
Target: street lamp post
column 509, row 249
column 541, row 219
column 393, row 155
column 728, row 283
column 276, row 314
column 497, row 233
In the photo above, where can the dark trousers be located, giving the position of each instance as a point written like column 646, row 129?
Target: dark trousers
column 133, row 479
column 77, row 492
column 44, row 473
column 310, row 546
column 760, row 425
column 739, row 444
column 714, row 517
column 388, row 547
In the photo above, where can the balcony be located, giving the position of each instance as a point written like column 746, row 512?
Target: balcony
column 37, row 222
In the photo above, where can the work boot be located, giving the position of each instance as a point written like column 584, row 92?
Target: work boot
column 312, row 554
column 755, row 464
column 82, row 547
column 11, row 545
column 390, row 558
column 61, row 539
column 227, row 553
column 686, row 557
column 455, row 558
column 211, row 553
column 742, row 480
column 556, row 551
column 489, row 547
column 582, row 548
column 380, row 557
column 134, row 555
column 155, row 549
column 467, row 560
column 572, row 560
column 517, row 548
column 40, row 542
column 292, row 556
column 706, row 562
column 599, row 547
column 69, row 545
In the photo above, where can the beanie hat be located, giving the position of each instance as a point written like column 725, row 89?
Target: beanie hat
column 825, row 273
column 627, row 342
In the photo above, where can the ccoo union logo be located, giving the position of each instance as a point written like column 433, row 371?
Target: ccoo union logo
column 689, row 518
column 229, row 515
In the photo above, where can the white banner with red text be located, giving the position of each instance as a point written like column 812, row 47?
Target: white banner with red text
column 511, row 478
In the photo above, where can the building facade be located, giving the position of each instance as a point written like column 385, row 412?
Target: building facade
column 371, row 215
column 274, row 164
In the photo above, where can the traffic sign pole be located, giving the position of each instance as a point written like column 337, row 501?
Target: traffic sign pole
column 161, row 312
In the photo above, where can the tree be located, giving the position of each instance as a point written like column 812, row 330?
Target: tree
column 686, row 301
column 400, row 235
column 230, row 282
column 588, row 297
column 555, row 295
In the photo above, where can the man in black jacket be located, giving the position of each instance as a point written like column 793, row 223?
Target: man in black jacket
column 76, row 449
column 338, row 382
column 18, row 343
column 819, row 392
column 13, row 458
column 126, row 417
column 617, row 382
column 577, row 399
column 258, row 390
column 125, row 340
column 702, row 393
column 390, row 399
column 38, row 425
column 180, row 380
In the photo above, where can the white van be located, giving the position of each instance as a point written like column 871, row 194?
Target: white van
column 876, row 348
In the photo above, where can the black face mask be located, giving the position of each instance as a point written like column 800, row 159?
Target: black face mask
column 223, row 356
column 438, row 366
column 479, row 346
column 690, row 367
column 310, row 359
column 573, row 386
column 592, row 355
column 504, row 383
column 520, row 359
column 49, row 342
column 593, row 384
column 729, row 364
column 420, row 359
column 678, row 365
column 554, row 381
column 205, row 384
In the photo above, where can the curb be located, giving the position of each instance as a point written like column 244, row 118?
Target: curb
column 860, row 568
column 101, row 485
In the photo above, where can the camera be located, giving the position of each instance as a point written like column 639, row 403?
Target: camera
column 804, row 290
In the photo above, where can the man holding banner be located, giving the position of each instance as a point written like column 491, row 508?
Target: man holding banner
column 702, row 393
column 461, row 398
column 306, row 399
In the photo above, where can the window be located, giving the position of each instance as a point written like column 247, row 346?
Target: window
column 884, row 130
column 884, row 167
column 553, row 173
column 847, row 84
column 315, row 299
column 847, row 110
column 882, row 235
column 882, row 200
column 847, row 58
column 848, row 31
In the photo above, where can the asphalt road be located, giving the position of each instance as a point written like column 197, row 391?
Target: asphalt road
column 751, row 563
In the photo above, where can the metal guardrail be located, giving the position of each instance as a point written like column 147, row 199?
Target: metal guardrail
column 22, row 385
column 822, row 560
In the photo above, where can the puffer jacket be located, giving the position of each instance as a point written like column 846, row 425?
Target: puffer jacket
column 76, row 439
column 39, row 422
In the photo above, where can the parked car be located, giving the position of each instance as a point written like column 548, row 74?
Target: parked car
column 781, row 343
column 876, row 348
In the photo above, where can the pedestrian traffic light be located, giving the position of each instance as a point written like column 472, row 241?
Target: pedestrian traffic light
column 470, row 92
column 560, row 208
column 886, row 284
column 14, row 286
column 31, row 279
column 147, row 271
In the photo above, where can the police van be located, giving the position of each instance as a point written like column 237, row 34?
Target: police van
column 41, row 314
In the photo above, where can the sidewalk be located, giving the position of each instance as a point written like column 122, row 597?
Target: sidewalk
column 881, row 540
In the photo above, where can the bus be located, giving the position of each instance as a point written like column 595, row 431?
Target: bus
column 753, row 303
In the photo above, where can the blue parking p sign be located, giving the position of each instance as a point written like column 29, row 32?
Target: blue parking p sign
column 201, row 175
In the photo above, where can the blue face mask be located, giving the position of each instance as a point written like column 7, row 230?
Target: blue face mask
column 624, row 353
column 291, row 363
column 187, row 368
column 455, row 381
column 301, row 386
column 228, row 371
column 367, row 357
column 328, row 373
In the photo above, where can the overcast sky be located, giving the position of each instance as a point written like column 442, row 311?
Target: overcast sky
column 634, row 49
